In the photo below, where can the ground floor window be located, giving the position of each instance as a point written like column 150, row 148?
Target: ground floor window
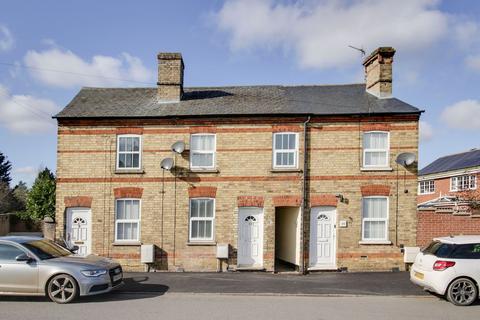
column 375, row 219
column 202, row 219
column 127, row 220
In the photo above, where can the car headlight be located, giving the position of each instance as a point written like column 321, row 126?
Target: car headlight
column 94, row 273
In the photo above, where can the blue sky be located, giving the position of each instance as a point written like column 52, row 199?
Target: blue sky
column 102, row 43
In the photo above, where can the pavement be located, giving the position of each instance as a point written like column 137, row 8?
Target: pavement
column 261, row 283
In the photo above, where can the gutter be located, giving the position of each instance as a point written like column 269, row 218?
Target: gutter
column 304, row 193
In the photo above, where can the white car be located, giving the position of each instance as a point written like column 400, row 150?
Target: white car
column 450, row 266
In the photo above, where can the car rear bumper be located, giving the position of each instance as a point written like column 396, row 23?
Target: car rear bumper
column 433, row 281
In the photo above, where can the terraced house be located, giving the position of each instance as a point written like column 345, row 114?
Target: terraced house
column 289, row 177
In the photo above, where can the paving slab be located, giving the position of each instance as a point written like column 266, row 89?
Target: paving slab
column 261, row 283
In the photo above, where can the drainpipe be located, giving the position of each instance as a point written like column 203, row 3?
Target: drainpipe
column 304, row 194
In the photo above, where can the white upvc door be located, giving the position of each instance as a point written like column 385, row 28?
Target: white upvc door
column 323, row 238
column 250, row 237
column 79, row 230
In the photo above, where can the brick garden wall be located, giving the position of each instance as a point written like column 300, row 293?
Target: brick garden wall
column 431, row 225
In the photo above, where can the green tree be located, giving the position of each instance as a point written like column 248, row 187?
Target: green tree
column 20, row 193
column 6, row 198
column 41, row 198
column 5, row 167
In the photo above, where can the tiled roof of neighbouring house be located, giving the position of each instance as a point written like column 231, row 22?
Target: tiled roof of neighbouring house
column 453, row 162
column 224, row 101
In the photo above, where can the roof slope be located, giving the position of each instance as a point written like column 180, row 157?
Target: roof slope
column 453, row 162
column 218, row 101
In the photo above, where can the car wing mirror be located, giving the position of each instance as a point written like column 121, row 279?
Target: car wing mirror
column 74, row 249
column 24, row 257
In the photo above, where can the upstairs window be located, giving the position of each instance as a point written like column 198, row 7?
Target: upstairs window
column 202, row 218
column 376, row 149
column 129, row 152
column 426, row 187
column 202, row 151
column 285, row 150
column 375, row 219
column 466, row 182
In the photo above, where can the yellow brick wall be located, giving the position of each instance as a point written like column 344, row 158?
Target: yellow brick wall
column 335, row 161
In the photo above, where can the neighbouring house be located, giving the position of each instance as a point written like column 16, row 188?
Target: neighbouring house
column 289, row 177
column 443, row 196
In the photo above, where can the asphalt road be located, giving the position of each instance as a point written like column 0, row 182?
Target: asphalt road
column 138, row 306
column 324, row 283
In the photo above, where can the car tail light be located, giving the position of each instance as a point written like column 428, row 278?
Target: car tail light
column 441, row 265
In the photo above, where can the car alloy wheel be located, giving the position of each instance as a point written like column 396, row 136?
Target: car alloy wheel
column 62, row 288
column 462, row 292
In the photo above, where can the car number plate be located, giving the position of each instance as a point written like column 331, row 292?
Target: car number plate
column 419, row 275
column 117, row 277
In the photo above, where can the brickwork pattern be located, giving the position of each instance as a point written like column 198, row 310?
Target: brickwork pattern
column 431, row 225
column 244, row 169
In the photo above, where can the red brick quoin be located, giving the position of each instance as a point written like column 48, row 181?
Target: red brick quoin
column 79, row 201
column 128, row 192
column 287, row 201
column 200, row 192
column 250, row 201
column 323, row 200
column 375, row 190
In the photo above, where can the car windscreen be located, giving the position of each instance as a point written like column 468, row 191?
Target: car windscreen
column 46, row 249
column 439, row 249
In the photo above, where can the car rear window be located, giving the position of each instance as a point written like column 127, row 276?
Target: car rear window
column 439, row 249
column 467, row 251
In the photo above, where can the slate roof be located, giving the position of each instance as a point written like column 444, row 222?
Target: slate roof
column 453, row 162
column 226, row 101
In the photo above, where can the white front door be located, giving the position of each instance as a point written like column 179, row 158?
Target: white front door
column 250, row 237
column 322, row 238
column 79, row 231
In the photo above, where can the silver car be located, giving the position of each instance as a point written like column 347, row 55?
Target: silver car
column 36, row 266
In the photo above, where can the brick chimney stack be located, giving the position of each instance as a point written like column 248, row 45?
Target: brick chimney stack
column 170, row 77
column 378, row 72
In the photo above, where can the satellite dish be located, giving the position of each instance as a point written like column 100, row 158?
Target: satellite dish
column 178, row 147
column 167, row 164
column 405, row 159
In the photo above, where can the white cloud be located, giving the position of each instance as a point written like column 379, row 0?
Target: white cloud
column 426, row 131
column 464, row 115
column 6, row 39
column 101, row 71
column 319, row 32
column 26, row 114
column 29, row 170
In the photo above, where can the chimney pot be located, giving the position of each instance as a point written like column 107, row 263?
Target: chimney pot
column 378, row 72
column 170, row 77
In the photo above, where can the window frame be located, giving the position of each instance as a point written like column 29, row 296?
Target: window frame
column 431, row 181
column 365, row 150
column 212, row 238
column 214, row 152
column 138, row 221
column 139, row 152
column 469, row 176
column 386, row 219
column 275, row 151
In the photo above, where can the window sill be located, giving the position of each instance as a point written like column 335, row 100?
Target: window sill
column 127, row 243
column 204, row 170
column 201, row 243
column 129, row 171
column 376, row 169
column 375, row 242
column 274, row 170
